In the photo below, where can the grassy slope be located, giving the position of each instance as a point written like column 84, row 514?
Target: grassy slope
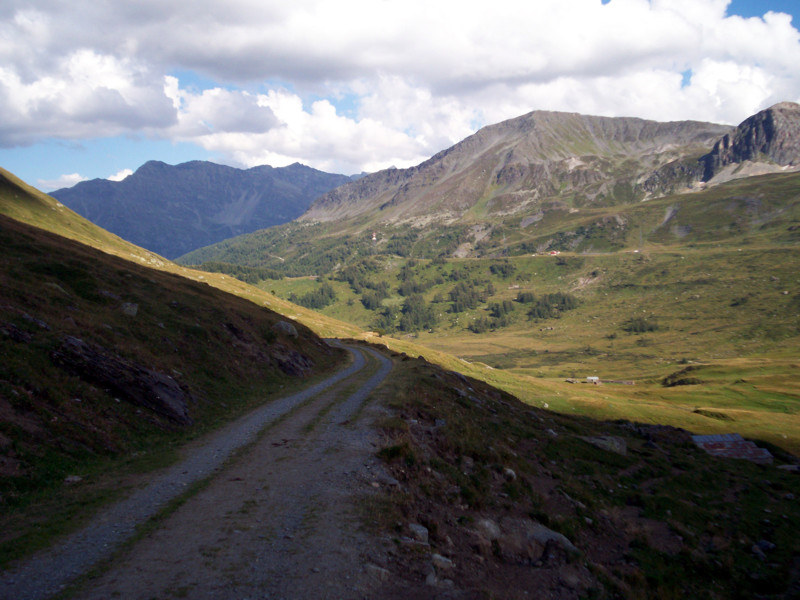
column 662, row 520
column 746, row 354
column 717, row 274
column 758, row 337
column 221, row 348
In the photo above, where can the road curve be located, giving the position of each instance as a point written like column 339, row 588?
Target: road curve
column 50, row 571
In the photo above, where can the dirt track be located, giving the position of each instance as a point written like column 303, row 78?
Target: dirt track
column 278, row 522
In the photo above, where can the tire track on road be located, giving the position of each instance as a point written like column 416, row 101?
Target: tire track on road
column 281, row 523
column 50, row 571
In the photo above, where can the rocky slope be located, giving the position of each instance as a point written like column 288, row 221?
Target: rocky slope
column 520, row 164
column 172, row 210
column 771, row 136
column 544, row 160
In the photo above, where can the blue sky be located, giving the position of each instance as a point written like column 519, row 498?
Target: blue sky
column 93, row 89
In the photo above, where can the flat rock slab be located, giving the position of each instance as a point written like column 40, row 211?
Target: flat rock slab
column 732, row 445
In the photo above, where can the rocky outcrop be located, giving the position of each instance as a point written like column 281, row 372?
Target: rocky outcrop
column 772, row 135
column 125, row 379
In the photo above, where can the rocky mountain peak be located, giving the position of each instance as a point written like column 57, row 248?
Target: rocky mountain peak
column 521, row 164
column 772, row 135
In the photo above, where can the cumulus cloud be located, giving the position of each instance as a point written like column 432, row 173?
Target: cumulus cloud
column 120, row 175
column 64, row 181
column 85, row 95
column 417, row 75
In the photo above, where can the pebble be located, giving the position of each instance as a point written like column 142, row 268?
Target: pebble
column 377, row 572
column 765, row 545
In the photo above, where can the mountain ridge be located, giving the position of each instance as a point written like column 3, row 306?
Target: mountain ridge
column 196, row 203
column 521, row 164
column 521, row 156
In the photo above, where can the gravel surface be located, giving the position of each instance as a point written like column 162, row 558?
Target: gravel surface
column 52, row 570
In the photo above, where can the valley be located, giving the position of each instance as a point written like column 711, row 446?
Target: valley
column 563, row 299
column 685, row 259
column 705, row 281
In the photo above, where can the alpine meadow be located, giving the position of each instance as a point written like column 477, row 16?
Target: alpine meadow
column 559, row 359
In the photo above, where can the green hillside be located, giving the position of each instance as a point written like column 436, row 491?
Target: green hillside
column 703, row 323
column 705, row 281
column 25, row 203
column 746, row 212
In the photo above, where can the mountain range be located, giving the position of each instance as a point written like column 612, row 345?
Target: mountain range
column 583, row 490
column 523, row 165
column 509, row 175
column 544, row 181
column 172, row 210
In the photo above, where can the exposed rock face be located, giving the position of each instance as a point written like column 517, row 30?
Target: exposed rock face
column 771, row 135
column 198, row 203
column 130, row 381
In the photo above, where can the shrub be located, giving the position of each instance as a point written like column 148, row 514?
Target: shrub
column 640, row 325
column 464, row 297
column 480, row 325
column 552, row 305
column 316, row 299
column 417, row 314
column 499, row 310
column 371, row 300
column 503, row 269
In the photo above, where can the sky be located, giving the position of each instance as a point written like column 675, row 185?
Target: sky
column 95, row 88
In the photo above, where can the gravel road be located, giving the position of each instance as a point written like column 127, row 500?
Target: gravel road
column 181, row 555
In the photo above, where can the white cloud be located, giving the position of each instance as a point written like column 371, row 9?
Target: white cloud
column 120, row 175
column 64, row 181
column 418, row 75
column 87, row 95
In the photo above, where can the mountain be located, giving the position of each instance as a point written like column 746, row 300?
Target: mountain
column 545, row 160
column 544, row 181
column 519, row 165
column 172, row 210
column 771, row 136
column 25, row 203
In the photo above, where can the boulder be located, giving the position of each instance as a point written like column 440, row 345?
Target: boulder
column 442, row 563
column 488, row 529
column 377, row 573
column 291, row 361
column 525, row 541
column 285, row 328
column 543, row 535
